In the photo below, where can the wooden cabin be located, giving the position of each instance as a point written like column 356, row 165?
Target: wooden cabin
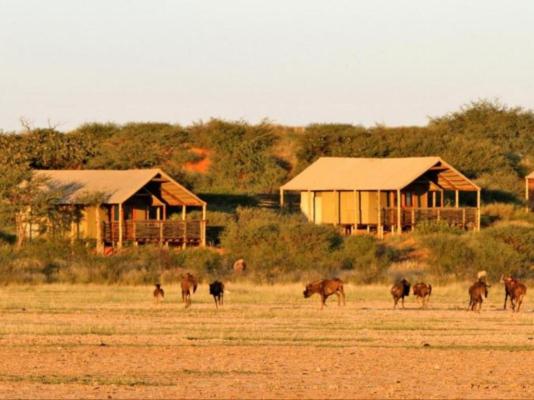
column 384, row 194
column 529, row 191
column 136, row 206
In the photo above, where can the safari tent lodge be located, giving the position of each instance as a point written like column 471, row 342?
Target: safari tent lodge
column 529, row 191
column 135, row 206
column 385, row 194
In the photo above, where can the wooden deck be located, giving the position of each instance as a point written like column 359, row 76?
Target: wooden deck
column 190, row 233
column 463, row 217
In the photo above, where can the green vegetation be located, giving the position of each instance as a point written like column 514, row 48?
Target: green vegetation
column 243, row 166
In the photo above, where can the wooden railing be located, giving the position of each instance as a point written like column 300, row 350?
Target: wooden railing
column 180, row 232
column 465, row 217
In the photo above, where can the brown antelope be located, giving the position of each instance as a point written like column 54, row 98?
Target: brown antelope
column 516, row 290
column 188, row 282
column 159, row 294
column 477, row 292
column 400, row 290
column 326, row 288
column 423, row 291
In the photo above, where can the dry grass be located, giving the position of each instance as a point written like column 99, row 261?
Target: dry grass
column 267, row 341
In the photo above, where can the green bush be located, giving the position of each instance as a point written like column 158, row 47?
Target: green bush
column 48, row 262
column 493, row 251
column 366, row 257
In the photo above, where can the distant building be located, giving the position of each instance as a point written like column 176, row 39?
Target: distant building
column 529, row 191
column 136, row 205
column 384, row 194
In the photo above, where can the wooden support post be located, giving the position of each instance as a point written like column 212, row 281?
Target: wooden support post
column 379, row 219
column 281, row 198
column 478, row 211
column 463, row 217
column 356, row 213
column 413, row 218
column 121, row 227
column 433, row 199
column 310, row 206
column 399, row 222
column 203, row 226
column 160, row 232
column 99, row 240
column 184, row 217
column 457, row 198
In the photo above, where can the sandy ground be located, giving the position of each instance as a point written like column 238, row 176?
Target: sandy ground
column 266, row 342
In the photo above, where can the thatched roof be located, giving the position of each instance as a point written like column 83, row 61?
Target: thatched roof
column 531, row 175
column 338, row 173
column 116, row 186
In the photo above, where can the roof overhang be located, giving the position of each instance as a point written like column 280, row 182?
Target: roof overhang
column 372, row 174
column 114, row 186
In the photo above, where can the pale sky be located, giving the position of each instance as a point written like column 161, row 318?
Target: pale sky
column 294, row 62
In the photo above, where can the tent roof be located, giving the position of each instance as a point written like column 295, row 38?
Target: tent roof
column 117, row 185
column 338, row 173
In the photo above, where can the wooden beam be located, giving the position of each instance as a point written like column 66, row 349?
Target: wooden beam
column 121, row 228
column 356, row 210
column 446, row 180
column 457, row 198
column 203, row 226
column 399, row 226
column 99, row 240
column 379, row 223
column 281, row 198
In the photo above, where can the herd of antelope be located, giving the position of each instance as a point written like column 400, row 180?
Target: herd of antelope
column 325, row 288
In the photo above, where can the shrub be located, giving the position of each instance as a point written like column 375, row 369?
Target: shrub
column 367, row 258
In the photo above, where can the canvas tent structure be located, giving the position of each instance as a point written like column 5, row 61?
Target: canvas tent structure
column 383, row 194
column 135, row 205
column 529, row 191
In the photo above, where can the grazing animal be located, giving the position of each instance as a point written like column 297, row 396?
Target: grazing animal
column 423, row 291
column 188, row 282
column 400, row 290
column 477, row 292
column 326, row 288
column 516, row 290
column 240, row 266
column 217, row 291
column 159, row 294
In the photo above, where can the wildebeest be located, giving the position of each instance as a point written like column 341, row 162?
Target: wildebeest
column 400, row 290
column 326, row 288
column 516, row 290
column 477, row 292
column 159, row 294
column 217, row 291
column 422, row 291
column 188, row 282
